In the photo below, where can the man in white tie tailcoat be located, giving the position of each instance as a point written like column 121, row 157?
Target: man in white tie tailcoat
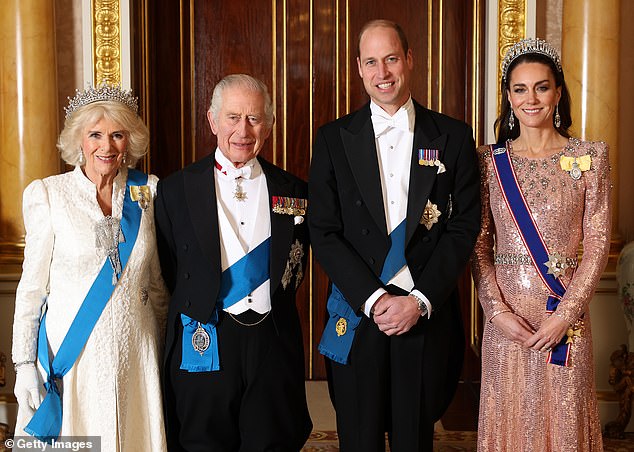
column 233, row 247
column 395, row 211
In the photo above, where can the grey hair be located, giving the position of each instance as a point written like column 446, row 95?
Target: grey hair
column 69, row 141
column 248, row 83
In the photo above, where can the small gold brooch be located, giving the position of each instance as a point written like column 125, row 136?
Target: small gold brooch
column 574, row 331
column 341, row 327
column 141, row 193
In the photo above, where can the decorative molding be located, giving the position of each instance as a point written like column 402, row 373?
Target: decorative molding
column 8, row 399
column 475, row 322
column 11, row 256
column 106, row 33
column 607, row 396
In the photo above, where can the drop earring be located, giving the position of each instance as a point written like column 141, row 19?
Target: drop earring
column 557, row 117
column 80, row 160
column 125, row 158
column 511, row 120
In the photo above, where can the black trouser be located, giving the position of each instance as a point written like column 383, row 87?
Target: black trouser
column 256, row 401
column 380, row 391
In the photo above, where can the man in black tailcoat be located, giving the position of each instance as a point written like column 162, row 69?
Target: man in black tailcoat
column 394, row 215
column 233, row 247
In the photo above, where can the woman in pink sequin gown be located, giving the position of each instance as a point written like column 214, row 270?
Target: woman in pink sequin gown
column 527, row 404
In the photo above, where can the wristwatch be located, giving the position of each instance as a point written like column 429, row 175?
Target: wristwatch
column 422, row 307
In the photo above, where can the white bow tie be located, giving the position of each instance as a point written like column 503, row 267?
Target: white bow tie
column 382, row 124
column 235, row 173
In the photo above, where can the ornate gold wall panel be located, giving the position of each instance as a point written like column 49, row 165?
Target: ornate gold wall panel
column 511, row 28
column 106, row 42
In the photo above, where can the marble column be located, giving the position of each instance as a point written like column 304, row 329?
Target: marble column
column 28, row 113
column 590, row 57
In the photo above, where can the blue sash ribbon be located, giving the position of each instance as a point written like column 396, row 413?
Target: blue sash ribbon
column 46, row 423
column 236, row 282
column 532, row 238
column 336, row 342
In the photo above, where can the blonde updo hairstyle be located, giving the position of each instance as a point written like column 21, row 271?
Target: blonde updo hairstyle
column 69, row 141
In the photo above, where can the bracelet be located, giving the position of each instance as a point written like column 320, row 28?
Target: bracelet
column 422, row 307
column 22, row 363
column 498, row 313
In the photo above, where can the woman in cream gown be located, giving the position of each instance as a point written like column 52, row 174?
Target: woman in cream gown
column 113, row 390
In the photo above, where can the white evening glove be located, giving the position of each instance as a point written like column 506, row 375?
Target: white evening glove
column 27, row 386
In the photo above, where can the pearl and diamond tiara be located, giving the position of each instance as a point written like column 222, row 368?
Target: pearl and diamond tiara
column 103, row 92
column 530, row 45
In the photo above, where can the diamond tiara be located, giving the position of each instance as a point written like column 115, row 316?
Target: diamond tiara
column 104, row 92
column 530, row 45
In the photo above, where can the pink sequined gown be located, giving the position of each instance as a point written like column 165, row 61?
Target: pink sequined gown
column 526, row 404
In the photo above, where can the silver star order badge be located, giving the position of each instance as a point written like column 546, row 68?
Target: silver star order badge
column 430, row 215
column 294, row 260
column 556, row 264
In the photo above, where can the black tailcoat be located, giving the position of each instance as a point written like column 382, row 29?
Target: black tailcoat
column 189, row 249
column 350, row 240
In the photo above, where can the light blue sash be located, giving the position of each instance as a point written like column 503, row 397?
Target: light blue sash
column 47, row 420
column 336, row 342
column 532, row 238
column 236, row 282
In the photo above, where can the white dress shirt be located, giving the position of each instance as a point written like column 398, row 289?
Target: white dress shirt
column 394, row 137
column 243, row 223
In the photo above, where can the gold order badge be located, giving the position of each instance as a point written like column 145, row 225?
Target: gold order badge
column 341, row 327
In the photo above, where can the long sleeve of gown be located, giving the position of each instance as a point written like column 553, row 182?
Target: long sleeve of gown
column 33, row 287
column 596, row 236
column 482, row 261
column 158, row 294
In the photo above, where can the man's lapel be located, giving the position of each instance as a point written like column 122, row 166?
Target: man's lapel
column 281, row 225
column 422, row 178
column 360, row 148
column 200, row 195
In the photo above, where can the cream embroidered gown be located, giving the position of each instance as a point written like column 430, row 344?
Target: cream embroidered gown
column 113, row 390
column 526, row 404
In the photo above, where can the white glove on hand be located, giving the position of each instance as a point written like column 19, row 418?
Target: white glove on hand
column 27, row 386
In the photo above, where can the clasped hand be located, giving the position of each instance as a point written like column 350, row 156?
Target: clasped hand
column 517, row 329
column 395, row 315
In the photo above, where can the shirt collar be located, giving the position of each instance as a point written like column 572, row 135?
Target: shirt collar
column 250, row 170
column 403, row 119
